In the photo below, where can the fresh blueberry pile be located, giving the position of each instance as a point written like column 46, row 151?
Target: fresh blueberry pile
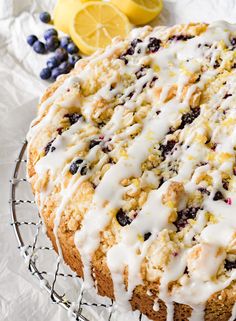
column 65, row 51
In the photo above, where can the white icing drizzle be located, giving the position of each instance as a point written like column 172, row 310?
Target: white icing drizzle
column 156, row 306
column 173, row 65
column 197, row 313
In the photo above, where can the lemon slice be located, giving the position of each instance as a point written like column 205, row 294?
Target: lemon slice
column 139, row 11
column 95, row 24
column 64, row 12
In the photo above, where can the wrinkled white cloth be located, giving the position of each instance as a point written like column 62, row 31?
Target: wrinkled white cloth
column 21, row 298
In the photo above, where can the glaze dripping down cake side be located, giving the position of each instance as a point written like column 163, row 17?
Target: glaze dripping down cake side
column 132, row 162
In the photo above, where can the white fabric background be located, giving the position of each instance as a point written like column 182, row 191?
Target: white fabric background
column 20, row 296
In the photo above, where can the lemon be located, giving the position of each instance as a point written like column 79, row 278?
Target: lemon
column 139, row 11
column 95, row 24
column 64, row 12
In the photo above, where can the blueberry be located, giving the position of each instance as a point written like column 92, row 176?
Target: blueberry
column 56, row 72
column 45, row 17
column 72, row 48
column 93, row 143
column 130, row 95
column 52, row 43
column 218, row 196
column 83, row 170
column 65, row 67
column 188, row 118
column 154, row 45
column 227, row 95
column 122, row 57
column 31, row 39
column 162, row 181
column 53, row 62
column 60, row 130
column 135, row 42
column 106, row 148
column 49, row 33
column 152, row 82
column 49, row 146
column 233, row 41
column 73, row 118
column 230, row 265
column 122, row 218
column 141, row 72
column 64, row 41
column 129, row 52
column 166, row 149
column 203, row 190
column 61, row 54
column 225, row 184
column 75, row 166
column 181, row 37
column 39, row 47
column 216, row 65
column 184, row 216
column 45, row 73
column 73, row 59
column 146, row 236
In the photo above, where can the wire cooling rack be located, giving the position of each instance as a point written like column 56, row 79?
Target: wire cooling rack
column 64, row 286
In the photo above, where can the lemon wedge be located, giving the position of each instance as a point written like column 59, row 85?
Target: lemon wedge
column 95, row 24
column 139, row 12
column 64, row 12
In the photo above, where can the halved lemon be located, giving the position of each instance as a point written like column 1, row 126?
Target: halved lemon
column 95, row 24
column 64, row 12
column 139, row 12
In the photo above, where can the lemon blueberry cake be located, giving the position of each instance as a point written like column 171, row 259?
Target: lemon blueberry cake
column 132, row 160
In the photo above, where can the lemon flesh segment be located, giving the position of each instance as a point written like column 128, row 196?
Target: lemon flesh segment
column 64, row 12
column 139, row 12
column 95, row 24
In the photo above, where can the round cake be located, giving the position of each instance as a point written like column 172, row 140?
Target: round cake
column 132, row 160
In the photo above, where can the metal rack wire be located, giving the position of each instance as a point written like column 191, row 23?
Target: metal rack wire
column 63, row 285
